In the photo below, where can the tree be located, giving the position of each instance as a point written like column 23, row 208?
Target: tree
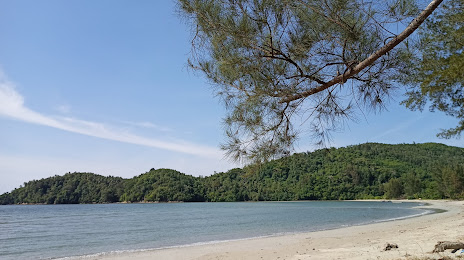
column 393, row 189
column 278, row 64
column 450, row 180
column 412, row 184
column 437, row 74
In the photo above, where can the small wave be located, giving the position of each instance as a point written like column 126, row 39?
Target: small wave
column 426, row 212
column 129, row 251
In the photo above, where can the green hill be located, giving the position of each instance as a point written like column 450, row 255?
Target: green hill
column 371, row 170
column 71, row 188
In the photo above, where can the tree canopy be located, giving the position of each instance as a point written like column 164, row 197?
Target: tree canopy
column 287, row 66
column 436, row 76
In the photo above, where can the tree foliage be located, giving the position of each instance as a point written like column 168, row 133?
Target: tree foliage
column 162, row 185
column 437, row 75
column 429, row 171
column 72, row 188
column 286, row 66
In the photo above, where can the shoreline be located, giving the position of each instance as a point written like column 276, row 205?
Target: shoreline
column 114, row 254
column 415, row 236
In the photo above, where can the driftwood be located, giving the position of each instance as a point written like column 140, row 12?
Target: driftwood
column 441, row 246
column 389, row 246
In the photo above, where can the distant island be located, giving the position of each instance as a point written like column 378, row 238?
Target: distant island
column 365, row 171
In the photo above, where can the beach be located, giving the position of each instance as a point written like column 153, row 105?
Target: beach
column 415, row 237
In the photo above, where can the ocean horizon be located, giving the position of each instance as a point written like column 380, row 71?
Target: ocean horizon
column 82, row 230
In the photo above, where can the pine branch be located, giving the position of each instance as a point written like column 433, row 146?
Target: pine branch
column 373, row 57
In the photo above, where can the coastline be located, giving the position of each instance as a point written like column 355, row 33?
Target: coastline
column 415, row 237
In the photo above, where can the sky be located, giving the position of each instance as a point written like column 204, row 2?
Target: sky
column 103, row 87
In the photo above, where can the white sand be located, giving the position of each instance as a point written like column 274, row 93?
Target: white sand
column 414, row 236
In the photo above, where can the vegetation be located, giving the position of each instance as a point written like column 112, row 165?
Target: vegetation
column 163, row 185
column 437, row 74
column 72, row 188
column 311, row 64
column 371, row 170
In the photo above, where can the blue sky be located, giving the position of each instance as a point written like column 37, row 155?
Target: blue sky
column 103, row 86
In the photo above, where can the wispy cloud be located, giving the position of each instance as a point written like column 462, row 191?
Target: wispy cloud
column 148, row 125
column 400, row 127
column 64, row 109
column 12, row 106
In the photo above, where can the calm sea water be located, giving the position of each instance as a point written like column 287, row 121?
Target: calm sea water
column 57, row 231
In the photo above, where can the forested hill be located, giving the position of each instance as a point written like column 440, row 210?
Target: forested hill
column 371, row 170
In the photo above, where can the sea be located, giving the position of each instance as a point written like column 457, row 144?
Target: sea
column 79, row 231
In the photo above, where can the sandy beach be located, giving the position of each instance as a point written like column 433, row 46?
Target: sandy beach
column 415, row 237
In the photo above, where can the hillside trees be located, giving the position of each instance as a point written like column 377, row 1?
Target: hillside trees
column 428, row 171
column 162, row 185
column 450, row 181
column 284, row 66
column 71, row 188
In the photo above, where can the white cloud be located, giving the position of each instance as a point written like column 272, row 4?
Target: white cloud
column 398, row 128
column 148, row 125
column 12, row 106
column 64, row 109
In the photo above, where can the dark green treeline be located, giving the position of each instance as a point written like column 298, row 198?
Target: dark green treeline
column 428, row 171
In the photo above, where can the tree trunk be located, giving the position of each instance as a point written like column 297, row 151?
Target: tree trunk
column 441, row 246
